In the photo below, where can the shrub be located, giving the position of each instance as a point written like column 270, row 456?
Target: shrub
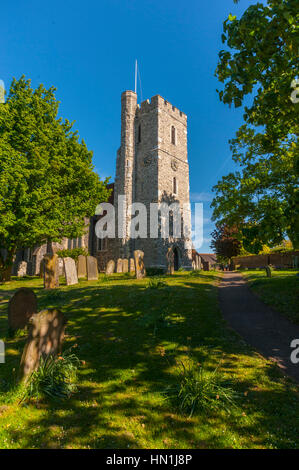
column 156, row 283
column 54, row 378
column 199, row 390
column 74, row 253
column 154, row 272
column 195, row 272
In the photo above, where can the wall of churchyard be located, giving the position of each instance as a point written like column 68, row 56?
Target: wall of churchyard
column 279, row 260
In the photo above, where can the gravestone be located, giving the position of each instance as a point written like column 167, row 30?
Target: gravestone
column 41, row 268
column 139, row 264
column 82, row 268
column 268, row 271
column 125, row 265
column 119, row 265
column 110, row 267
column 22, row 269
column 46, row 334
column 61, row 270
column 170, row 261
column 206, row 266
column 70, row 271
column 51, row 271
column 132, row 265
column 92, row 268
column 21, row 307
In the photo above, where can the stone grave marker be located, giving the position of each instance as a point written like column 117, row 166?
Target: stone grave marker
column 51, row 271
column 110, row 268
column 21, row 307
column 22, row 269
column 119, row 265
column 170, row 261
column 70, row 271
column 132, row 265
column 139, row 264
column 92, row 268
column 46, row 334
column 125, row 265
column 82, row 267
column 206, row 265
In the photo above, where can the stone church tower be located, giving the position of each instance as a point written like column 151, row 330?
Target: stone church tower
column 152, row 167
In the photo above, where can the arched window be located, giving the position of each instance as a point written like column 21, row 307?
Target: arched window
column 139, row 133
column 173, row 136
column 174, row 190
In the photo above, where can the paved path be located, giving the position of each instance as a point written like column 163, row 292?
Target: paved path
column 261, row 327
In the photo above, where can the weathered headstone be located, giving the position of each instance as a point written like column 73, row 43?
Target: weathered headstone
column 46, row 333
column 125, row 265
column 170, row 261
column 139, row 264
column 70, row 271
column 268, row 271
column 61, row 270
column 110, row 267
column 206, row 266
column 92, row 268
column 22, row 269
column 51, row 271
column 119, row 265
column 42, row 268
column 21, row 307
column 132, row 265
column 82, row 268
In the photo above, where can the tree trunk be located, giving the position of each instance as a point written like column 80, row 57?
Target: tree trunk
column 6, row 266
column 50, row 248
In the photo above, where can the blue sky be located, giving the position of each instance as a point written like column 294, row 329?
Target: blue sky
column 87, row 51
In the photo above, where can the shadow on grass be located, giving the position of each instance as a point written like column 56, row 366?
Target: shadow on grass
column 130, row 357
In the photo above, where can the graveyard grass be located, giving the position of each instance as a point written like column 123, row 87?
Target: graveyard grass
column 129, row 362
column 280, row 291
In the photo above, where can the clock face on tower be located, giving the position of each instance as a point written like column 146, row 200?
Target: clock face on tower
column 174, row 165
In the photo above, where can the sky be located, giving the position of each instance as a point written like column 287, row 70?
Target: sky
column 87, row 50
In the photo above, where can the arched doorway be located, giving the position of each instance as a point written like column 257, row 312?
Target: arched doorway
column 176, row 259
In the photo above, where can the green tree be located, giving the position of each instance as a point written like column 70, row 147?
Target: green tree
column 47, row 182
column 261, row 198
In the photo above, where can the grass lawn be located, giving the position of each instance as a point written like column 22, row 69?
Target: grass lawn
column 281, row 291
column 130, row 356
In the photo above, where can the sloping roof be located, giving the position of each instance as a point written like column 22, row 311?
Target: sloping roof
column 210, row 257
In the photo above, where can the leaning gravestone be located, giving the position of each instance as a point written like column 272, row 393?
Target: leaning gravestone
column 125, row 266
column 22, row 269
column 51, row 271
column 268, row 271
column 92, row 268
column 82, row 268
column 170, row 261
column 132, row 265
column 119, row 265
column 110, row 267
column 46, row 334
column 139, row 264
column 21, row 307
column 70, row 271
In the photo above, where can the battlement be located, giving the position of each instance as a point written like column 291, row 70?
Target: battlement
column 158, row 101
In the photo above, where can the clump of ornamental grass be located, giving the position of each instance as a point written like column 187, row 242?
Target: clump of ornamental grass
column 55, row 378
column 156, row 283
column 199, row 390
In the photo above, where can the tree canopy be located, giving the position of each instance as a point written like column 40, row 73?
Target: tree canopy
column 47, row 182
column 225, row 242
column 261, row 64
